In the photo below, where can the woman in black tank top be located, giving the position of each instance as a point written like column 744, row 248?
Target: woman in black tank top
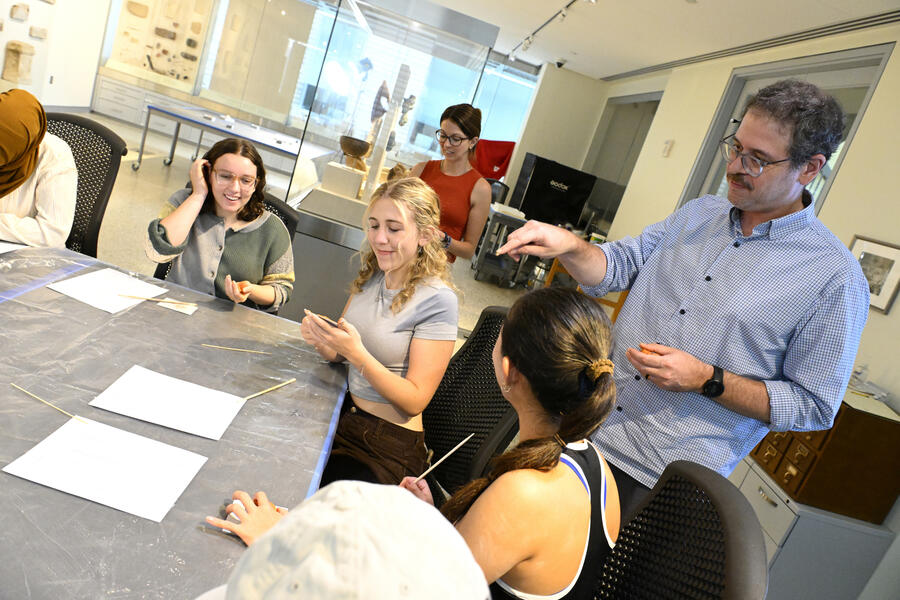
column 531, row 522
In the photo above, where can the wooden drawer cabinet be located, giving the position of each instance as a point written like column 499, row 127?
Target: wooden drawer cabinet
column 852, row 469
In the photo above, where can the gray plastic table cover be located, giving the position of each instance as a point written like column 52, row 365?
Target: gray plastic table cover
column 55, row 545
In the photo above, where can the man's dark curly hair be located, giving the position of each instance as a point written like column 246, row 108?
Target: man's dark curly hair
column 815, row 119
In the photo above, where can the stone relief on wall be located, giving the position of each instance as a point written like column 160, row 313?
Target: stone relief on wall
column 17, row 62
column 19, row 12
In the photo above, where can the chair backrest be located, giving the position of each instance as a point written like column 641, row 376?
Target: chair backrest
column 695, row 536
column 277, row 207
column 283, row 211
column 98, row 152
column 468, row 400
column 498, row 190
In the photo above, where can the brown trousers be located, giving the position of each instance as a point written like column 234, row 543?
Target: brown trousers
column 391, row 452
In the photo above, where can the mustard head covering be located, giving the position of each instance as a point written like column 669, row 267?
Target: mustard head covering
column 22, row 127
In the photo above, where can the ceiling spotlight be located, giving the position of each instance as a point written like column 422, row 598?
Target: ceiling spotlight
column 562, row 15
column 526, row 43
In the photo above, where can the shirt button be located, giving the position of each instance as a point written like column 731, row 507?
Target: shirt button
column 637, row 377
column 681, row 311
column 619, row 408
column 708, row 278
column 220, row 248
column 212, row 274
column 737, row 244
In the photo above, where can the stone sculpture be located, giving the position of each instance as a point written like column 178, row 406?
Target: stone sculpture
column 17, row 64
column 19, row 12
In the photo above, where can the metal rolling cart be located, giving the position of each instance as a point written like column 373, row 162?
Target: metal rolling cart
column 488, row 263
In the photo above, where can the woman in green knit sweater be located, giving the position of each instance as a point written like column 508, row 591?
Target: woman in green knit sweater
column 217, row 234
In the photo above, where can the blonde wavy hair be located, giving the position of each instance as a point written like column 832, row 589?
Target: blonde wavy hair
column 416, row 198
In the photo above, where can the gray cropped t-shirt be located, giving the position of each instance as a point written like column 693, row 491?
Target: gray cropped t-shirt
column 431, row 313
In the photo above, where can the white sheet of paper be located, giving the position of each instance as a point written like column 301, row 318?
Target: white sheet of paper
column 9, row 247
column 170, row 402
column 182, row 308
column 110, row 466
column 101, row 289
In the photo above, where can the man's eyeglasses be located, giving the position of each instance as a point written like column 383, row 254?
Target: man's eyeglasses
column 455, row 140
column 226, row 178
column 752, row 166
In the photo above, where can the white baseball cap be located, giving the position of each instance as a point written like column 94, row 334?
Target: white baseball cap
column 356, row 540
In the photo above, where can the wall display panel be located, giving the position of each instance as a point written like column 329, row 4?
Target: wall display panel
column 260, row 49
column 161, row 40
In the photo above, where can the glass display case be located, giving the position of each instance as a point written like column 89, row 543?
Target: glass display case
column 321, row 69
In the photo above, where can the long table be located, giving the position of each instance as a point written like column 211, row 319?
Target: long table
column 57, row 546
column 207, row 120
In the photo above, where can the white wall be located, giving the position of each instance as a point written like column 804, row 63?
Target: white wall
column 69, row 55
column 564, row 112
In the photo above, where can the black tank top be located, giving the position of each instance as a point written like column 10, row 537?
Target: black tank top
column 598, row 545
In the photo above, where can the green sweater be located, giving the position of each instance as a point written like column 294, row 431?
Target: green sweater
column 259, row 253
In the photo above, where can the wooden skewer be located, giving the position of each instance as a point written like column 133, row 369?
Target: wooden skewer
column 235, row 349
column 273, row 388
column 47, row 403
column 455, row 448
column 182, row 302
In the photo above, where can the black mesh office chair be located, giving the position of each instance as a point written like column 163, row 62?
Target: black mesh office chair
column 98, row 151
column 468, row 400
column 696, row 536
column 274, row 205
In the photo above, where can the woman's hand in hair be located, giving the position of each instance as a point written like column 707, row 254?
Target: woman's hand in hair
column 419, row 489
column 199, row 168
column 256, row 515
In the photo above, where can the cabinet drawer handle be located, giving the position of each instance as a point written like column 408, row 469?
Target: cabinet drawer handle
column 765, row 497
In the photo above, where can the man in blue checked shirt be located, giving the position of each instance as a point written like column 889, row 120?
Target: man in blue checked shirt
column 744, row 313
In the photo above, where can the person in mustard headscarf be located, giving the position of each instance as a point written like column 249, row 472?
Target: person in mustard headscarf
column 38, row 180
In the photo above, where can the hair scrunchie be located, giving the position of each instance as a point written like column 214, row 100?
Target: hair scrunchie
column 588, row 376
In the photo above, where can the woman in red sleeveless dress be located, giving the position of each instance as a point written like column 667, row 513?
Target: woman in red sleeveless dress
column 465, row 195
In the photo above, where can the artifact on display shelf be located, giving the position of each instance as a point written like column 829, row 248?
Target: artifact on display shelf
column 49, row 1
column 39, row 33
column 151, row 41
column 1, row 24
column 19, row 12
column 137, row 9
column 17, row 62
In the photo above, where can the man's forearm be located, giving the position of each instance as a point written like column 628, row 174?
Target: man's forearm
column 586, row 263
column 744, row 396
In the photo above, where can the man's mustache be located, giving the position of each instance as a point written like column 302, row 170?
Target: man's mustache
column 741, row 180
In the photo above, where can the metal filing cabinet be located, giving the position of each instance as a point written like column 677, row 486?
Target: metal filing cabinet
column 813, row 554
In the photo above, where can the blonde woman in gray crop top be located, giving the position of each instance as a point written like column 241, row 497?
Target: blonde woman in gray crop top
column 397, row 331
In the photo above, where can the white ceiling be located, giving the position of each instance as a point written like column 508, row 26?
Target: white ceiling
column 612, row 37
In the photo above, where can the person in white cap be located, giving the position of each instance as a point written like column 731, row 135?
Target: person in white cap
column 357, row 540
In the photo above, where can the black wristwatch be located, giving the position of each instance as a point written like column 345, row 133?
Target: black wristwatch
column 446, row 241
column 714, row 386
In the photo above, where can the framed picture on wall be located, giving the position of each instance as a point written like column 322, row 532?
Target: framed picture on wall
column 880, row 263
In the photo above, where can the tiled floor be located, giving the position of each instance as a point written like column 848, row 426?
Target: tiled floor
column 138, row 196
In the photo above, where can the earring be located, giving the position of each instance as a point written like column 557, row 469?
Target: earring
column 505, row 388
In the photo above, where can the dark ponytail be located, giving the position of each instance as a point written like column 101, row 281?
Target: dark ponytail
column 559, row 340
